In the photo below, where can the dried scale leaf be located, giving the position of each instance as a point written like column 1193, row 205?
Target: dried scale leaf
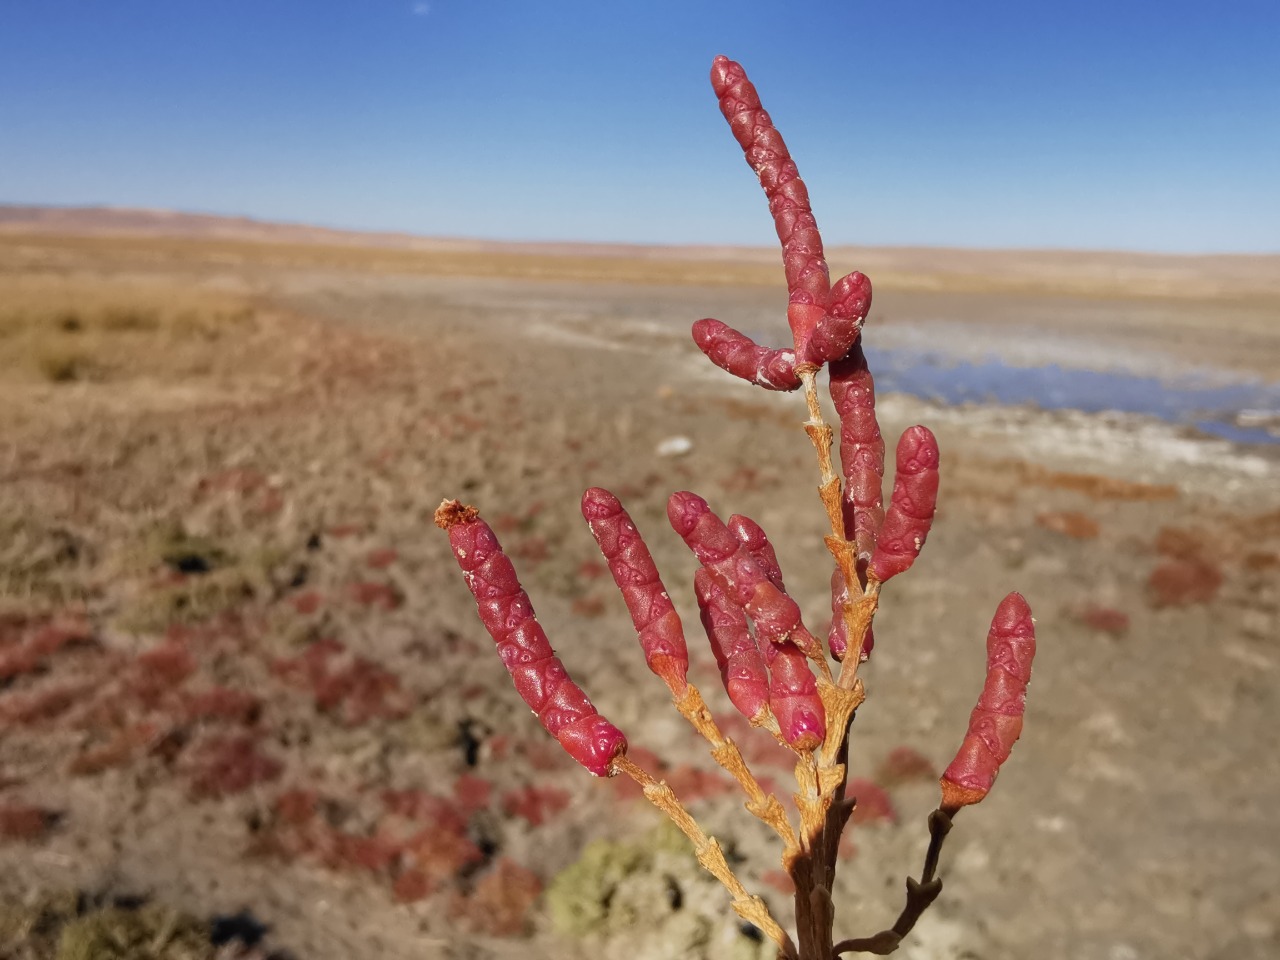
column 996, row 721
column 742, row 667
column 915, row 496
column 738, row 354
column 507, row 614
column 657, row 624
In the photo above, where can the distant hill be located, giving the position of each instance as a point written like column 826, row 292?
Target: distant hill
column 125, row 221
column 1091, row 273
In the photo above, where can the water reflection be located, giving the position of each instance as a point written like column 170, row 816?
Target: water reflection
column 1238, row 410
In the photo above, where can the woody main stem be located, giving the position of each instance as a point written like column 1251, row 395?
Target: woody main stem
column 861, row 606
column 826, row 814
column 820, row 434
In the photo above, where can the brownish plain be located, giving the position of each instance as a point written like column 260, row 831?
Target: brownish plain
column 246, row 709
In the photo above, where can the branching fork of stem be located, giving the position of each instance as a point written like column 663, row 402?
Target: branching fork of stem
column 809, row 856
column 920, row 894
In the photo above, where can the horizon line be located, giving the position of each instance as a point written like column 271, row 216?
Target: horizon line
column 400, row 234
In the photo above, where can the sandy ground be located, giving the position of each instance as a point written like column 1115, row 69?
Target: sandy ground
column 241, row 672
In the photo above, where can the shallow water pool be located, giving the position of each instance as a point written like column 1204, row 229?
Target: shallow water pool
column 1235, row 409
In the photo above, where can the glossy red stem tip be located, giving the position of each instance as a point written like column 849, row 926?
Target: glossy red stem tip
column 910, row 515
column 996, row 721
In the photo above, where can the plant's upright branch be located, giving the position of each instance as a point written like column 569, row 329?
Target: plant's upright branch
column 860, row 608
column 820, row 436
column 766, row 655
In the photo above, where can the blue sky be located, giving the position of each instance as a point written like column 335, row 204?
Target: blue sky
column 1122, row 125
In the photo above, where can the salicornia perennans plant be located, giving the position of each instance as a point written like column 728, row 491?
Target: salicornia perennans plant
column 775, row 671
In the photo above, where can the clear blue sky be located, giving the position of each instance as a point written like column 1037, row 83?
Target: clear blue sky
column 1135, row 125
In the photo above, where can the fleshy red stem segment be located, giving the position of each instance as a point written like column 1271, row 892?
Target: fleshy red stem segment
column 862, row 463
column 738, row 354
column 793, row 692
column 808, row 281
column 776, row 615
column 793, row 697
column 861, row 449
column 753, row 537
column 540, row 678
column 837, row 331
column 652, row 612
column 825, row 322
column 785, row 643
column 996, row 721
column 911, row 508
column 742, row 667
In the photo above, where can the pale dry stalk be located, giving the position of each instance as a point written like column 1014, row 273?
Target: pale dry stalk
column 707, row 849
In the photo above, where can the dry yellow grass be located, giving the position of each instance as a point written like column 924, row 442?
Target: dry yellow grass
column 1253, row 280
column 65, row 329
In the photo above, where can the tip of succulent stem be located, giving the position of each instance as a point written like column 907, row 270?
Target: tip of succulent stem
column 452, row 512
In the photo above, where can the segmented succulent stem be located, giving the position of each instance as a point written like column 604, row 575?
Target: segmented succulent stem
column 861, row 449
column 742, row 667
column 996, row 722
column 738, row 354
column 657, row 624
column 803, row 261
column 910, row 514
column 792, row 690
column 560, row 705
column 839, row 329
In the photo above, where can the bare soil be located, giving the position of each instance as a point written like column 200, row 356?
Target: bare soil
column 239, row 670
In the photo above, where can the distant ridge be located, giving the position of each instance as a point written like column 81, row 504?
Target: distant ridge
column 140, row 222
column 1071, row 272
